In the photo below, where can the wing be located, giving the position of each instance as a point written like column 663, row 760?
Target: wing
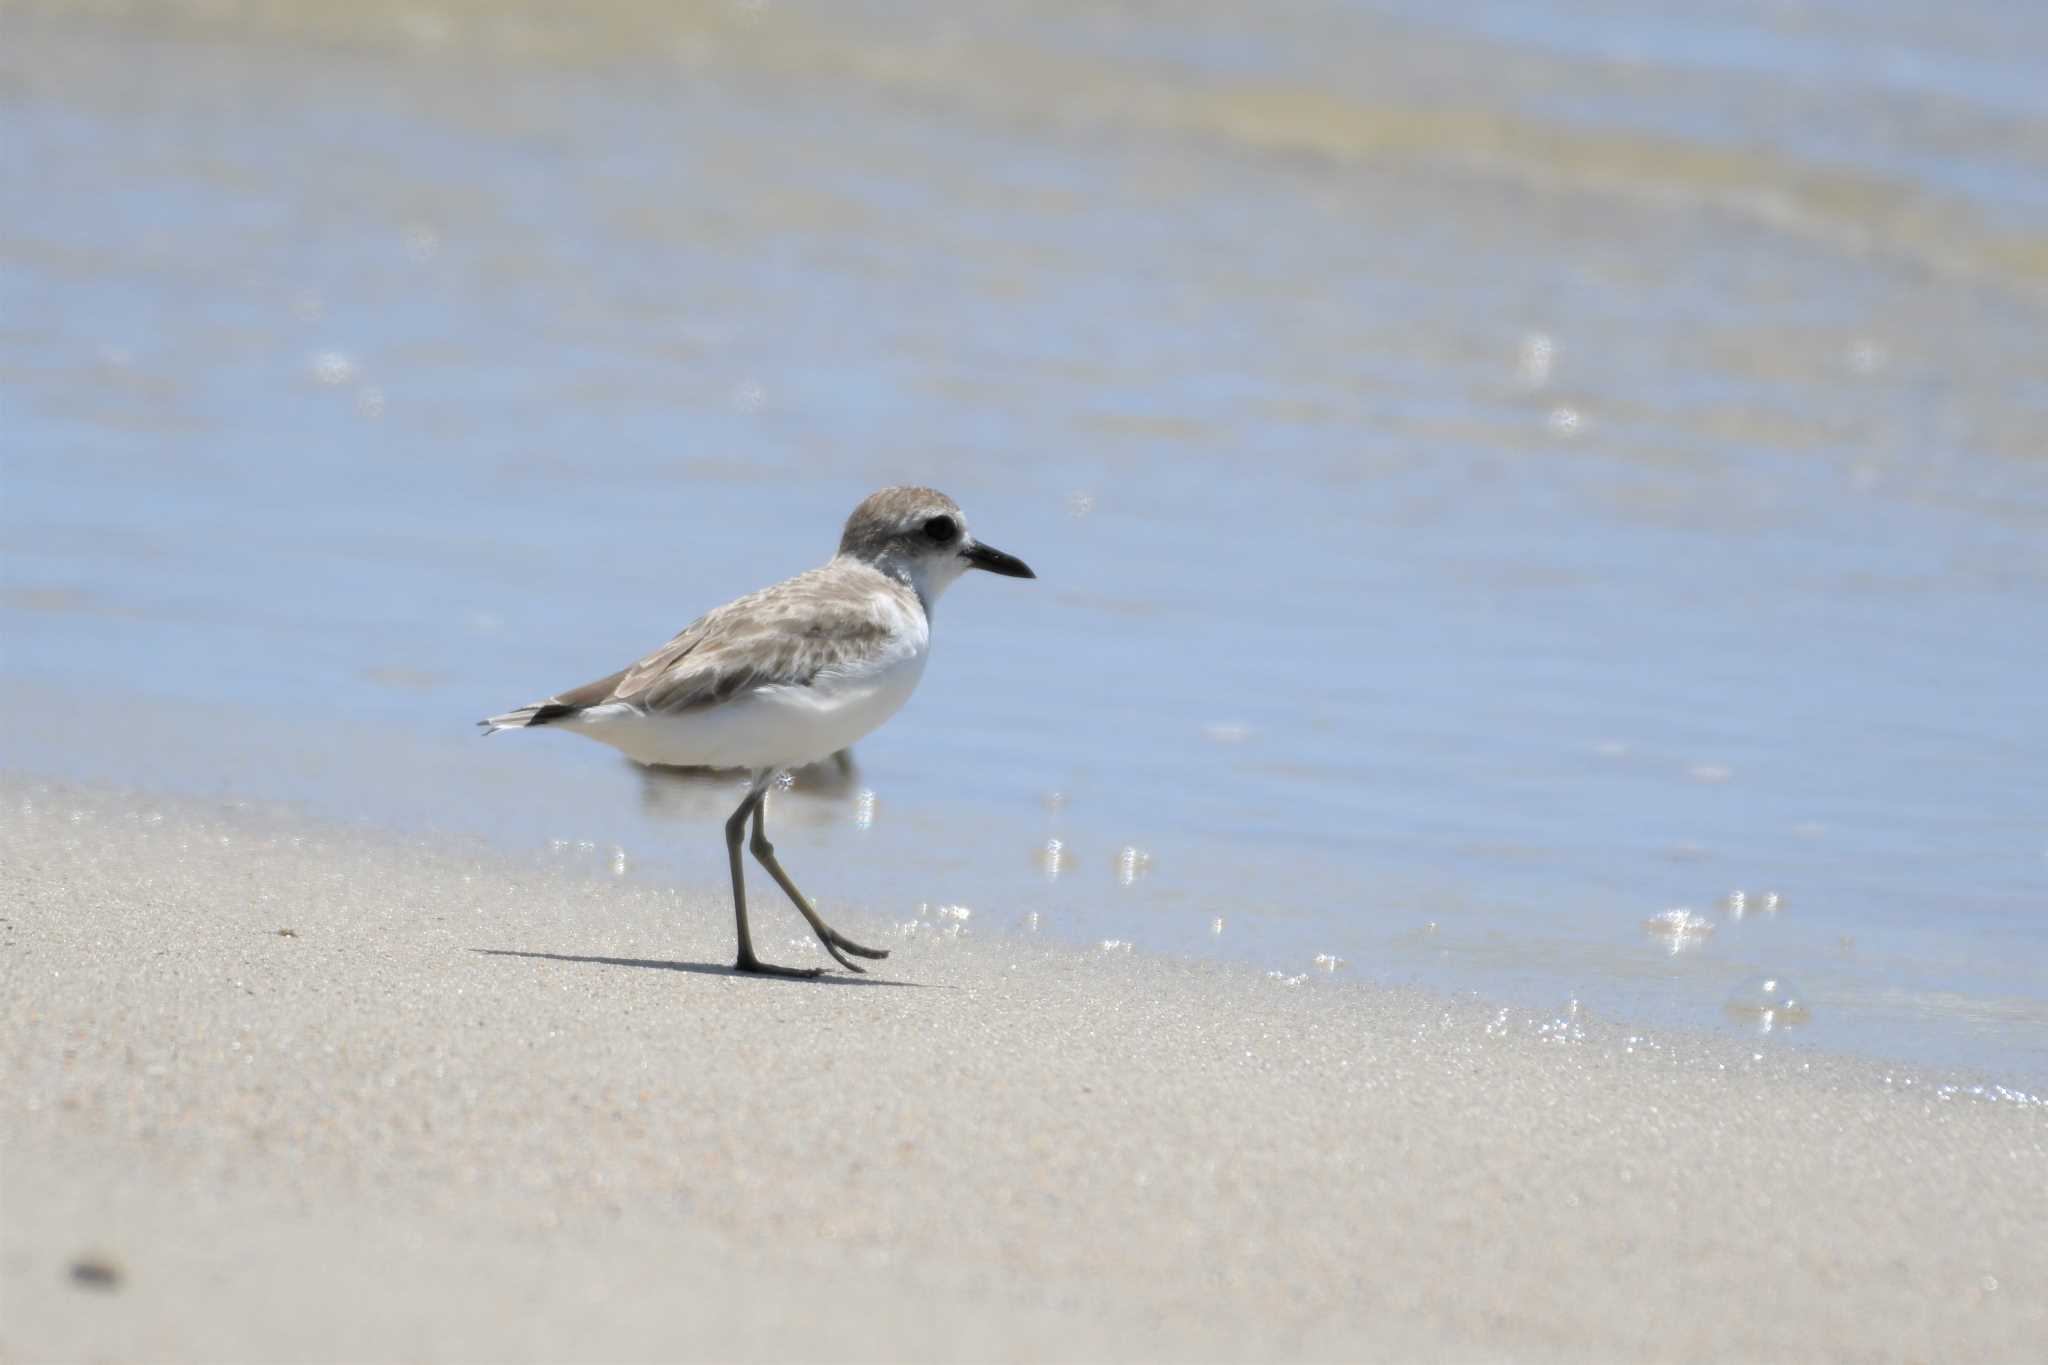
column 781, row 636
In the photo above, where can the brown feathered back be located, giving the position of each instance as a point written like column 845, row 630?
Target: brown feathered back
column 786, row 634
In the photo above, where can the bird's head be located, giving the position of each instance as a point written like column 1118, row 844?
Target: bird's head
column 919, row 536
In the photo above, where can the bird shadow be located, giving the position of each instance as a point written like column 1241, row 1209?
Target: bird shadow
column 702, row 969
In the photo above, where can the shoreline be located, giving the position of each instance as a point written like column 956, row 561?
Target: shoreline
column 461, row 1082
column 1912, row 996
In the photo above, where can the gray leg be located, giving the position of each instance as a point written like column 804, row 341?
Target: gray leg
column 833, row 940
column 735, row 830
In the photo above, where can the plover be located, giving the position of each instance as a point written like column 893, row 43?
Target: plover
column 787, row 676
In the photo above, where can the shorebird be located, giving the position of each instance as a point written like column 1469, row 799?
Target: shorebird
column 787, row 676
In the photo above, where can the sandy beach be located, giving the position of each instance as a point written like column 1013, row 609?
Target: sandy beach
column 307, row 1093
column 1547, row 504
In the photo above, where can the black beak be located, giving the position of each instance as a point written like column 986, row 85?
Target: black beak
column 995, row 561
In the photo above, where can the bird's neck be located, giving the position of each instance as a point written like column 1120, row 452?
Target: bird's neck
column 914, row 574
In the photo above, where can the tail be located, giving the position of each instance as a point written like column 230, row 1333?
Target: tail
column 526, row 717
column 573, row 702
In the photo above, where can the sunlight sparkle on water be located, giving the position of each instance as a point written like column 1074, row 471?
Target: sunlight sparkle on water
column 332, row 368
column 1768, row 1001
column 1681, row 929
column 1131, row 863
column 1535, row 360
column 1739, row 905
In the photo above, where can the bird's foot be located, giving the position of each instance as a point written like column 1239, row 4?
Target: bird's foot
column 834, row 939
column 749, row 963
column 841, row 958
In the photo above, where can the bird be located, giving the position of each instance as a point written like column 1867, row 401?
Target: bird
column 787, row 676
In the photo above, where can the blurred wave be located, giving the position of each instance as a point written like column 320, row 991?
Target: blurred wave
column 1894, row 167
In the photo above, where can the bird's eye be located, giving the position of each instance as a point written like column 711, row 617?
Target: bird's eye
column 941, row 529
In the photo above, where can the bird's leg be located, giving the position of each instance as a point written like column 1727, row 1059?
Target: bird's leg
column 735, row 830
column 833, row 940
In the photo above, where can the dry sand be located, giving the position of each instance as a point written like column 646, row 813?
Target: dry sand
column 381, row 1137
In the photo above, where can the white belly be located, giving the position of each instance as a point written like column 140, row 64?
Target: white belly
column 769, row 727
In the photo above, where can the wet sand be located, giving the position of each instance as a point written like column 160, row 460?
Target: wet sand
column 469, row 1109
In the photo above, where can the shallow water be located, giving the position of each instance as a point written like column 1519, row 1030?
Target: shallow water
column 1494, row 479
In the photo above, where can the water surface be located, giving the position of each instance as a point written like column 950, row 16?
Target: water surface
column 1496, row 474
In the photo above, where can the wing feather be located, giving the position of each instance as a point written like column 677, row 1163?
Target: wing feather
column 781, row 636
column 835, row 618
